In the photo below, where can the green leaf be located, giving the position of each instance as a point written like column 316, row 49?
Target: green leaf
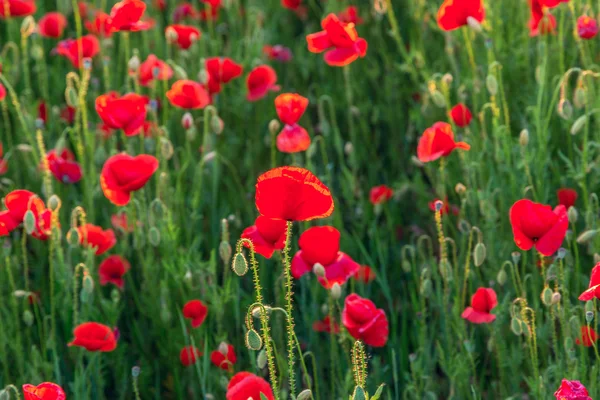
column 379, row 392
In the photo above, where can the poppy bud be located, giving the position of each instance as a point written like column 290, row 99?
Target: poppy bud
column 426, row 288
column 348, row 148
column 217, row 124
column 501, row 277
column 438, row 98
column 71, row 97
column 474, row 24
column 27, row 318
column 239, row 265
column 306, row 394
column 479, row 254
column 256, row 311
column 406, row 267
column 460, row 189
column 84, row 296
column 359, row 394
column 88, row 283
column 29, row 222
column 516, row 257
column 547, row 296
column 166, row 148
column 446, row 270
column 589, row 306
column 565, row 109
column 319, row 270
column 187, row 121
column 515, row 326
column 28, row 26
column 447, row 79
column 73, row 237
column 568, row 343
column 179, row 73
column 524, row 138
column 154, row 236
column 165, row 315
column 191, row 134
column 37, row 52
column 578, row 124
column 312, row 150
column 261, row 359
column 525, row 329
column 336, row 291
column 223, row 349
column 274, row 127
column 134, row 63
column 556, row 296
column 253, row 340
column 586, row 236
column 580, row 97
column 4, row 395
column 135, row 371
column 115, row 296
column 589, row 316
column 416, row 161
column 492, row 84
column 203, row 76
column 225, row 252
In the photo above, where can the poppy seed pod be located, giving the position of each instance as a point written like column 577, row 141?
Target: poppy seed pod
column 589, row 316
column 516, row 257
column 135, row 371
column 589, row 306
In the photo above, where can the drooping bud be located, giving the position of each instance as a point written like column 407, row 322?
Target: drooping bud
column 203, row 76
column 547, row 296
column 586, row 236
column 240, row 265
column 253, row 340
column 578, row 124
column 515, row 326
column 580, row 97
column 217, row 125
column 306, row 394
column 438, row 98
column 225, row 252
column 479, row 254
column 88, row 283
column 501, row 277
column 565, row 109
column 556, row 296
column 154, row 236
column 261, row 359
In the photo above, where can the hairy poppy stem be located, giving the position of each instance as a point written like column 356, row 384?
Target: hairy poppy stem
column 19, row 357
column 25, row 60
column 14, row 389
column 289, row 285
column 78, row 268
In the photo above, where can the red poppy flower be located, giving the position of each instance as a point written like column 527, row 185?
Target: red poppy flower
column 260, row 81
column 350, row 16
column 293, row 139
column 119, row 221
column 188, row 355
column 67, row 114
column 94, row 337
column 364, row 321
column 552, row 3
column 183, row 11
column 210, row 12
column 100, row 26
column 43, row 391
column 2, row 90
column 571, row 390
column 482, row 302
column 42, row 112
column 321, row 244
column 447, row 208
column 17, row 203
column 593, row 290
column 267, row 235
column 43, row 222
column 154, row 68
column 196, row 311
column 83, row 9
column 380, row 194
column 244, row 386
column 221, row 70
column 94, row 236
column 292, row 194
column 126, row 14
column 126, row 112
column 453, row 14
column 325, row 326
column 567, row 197
column 278, row 53
column 438, row 141
column 365, row 274
column 461, row 115
column 224, row 357
column 587, row 27
column 183, row 35
column 291, row 4
column 63, row 166
column 123, row 174
column 52, row 25
column 188, row 94
column 588, row 336
column 541, row 21
column 212, row 3
column 342, row 40
column 112, row 269
column 535, row 224
column 3, row 162
column 17, row 8
column 70, row 49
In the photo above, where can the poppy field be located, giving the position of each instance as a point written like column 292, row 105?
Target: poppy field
column 299, row 199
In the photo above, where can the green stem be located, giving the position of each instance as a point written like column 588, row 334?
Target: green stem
column 289, row 285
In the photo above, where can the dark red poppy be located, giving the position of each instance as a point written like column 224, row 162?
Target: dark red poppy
column 293, row 138
column 188, row 95
column 83, row 9
column 127, row 112
column 593, row 290
column 567, row 197
column 42, row 112
column 350, row 16
column 112, row 269
column 325, row 326
column 183, row 35
column 100, row 26
column 17, row 203
column 224, row 357
column 244, row 386
column 67, row 114
column 94, row 337
column 43, row 391
column 189, row 355
column 365, row 321
column 196, row 311
column 154, row 68
column 3, row 161
column 461, row 115
column 267, row 235
column 453, row 14
column 119, row 221
column 588, row 337
column 221, row 70
column 321, row 244
column 183, row 11
column 126, row 15
column 69, row 48
column 260, row 81
column 278, row 53
column 535, row 224
column 380, row 194
column 340, row 39
column 541, row 21
column 291, row 4
column 587, row 27
column 17, row 8
column 365, row 274
column 63, row 166
column 292, row 194
column 482, row 302
column 446, row 209
column 123, row 174
column 95, row 237
column 438, row 141
column 52, row 25
column 571, row 390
